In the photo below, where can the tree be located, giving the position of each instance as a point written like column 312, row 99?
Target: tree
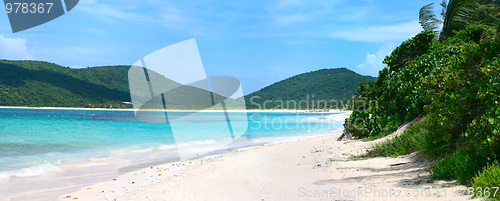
column 458, row 14
column 428, row 20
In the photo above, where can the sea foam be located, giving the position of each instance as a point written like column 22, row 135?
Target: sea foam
column 29, row 171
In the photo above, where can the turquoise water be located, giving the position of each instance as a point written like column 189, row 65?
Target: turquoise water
column 36, row 141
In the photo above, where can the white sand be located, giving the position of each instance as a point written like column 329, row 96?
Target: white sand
column 305, row 169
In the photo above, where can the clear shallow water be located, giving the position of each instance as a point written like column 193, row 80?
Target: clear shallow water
column 34, row 142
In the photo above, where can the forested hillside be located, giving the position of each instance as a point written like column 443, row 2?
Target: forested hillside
column 338, row 84
column 43, row 84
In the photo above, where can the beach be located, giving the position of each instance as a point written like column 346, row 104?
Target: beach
column 250, row 100
column 315, row 168
column 47, row 152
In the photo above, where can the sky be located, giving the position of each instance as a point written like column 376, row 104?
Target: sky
column 257, row 41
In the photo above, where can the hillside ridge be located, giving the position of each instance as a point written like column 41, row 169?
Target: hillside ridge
column 330, row 84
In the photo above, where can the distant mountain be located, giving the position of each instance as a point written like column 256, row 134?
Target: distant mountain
column 44, row 84
column 338, row 84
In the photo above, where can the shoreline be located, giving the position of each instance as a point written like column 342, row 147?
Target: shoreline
column 125, row 171
column 298, row 169
column 131, row 110
column 103, row 167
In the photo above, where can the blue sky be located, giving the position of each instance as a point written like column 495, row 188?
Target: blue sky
column 259, row 41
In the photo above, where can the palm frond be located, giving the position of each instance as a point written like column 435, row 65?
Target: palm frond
column 460, row 13
column 427, row 19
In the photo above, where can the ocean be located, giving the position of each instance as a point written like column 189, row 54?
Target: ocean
column 41, row 145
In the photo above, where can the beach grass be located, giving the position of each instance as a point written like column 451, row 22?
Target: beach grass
column 412, row 140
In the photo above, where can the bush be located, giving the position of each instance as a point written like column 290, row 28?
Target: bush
column 455, row 83
column 355, row 131
column 490, row 177
column 463, row 165
column 413, row 139
column 463, row 93
column 396, row 97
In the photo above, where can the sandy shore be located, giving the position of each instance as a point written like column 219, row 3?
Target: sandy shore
column 318, row 168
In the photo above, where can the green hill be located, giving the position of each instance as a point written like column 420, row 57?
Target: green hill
column 326, row 85
column 44, row 84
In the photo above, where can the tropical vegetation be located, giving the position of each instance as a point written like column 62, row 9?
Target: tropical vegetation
column 450, row 80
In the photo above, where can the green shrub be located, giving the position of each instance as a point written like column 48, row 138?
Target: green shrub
column 355, row 130
column 413, row 139
column 455, row 83
column 488, row 178
column 396, row 97
column 463, row 165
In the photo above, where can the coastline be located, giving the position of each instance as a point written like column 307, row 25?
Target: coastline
column 131, row 110
column 98, row 169
column 300, row 169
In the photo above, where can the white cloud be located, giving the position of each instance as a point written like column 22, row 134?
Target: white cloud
column 304, row 13
column 75, row 56
column 14, row 48
column 386, row 33
column 390, row 36
column 94, row 30
column 373, row 62
column 291, row 19
column 290, row 3
column 109, row 12
column 175, row 18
